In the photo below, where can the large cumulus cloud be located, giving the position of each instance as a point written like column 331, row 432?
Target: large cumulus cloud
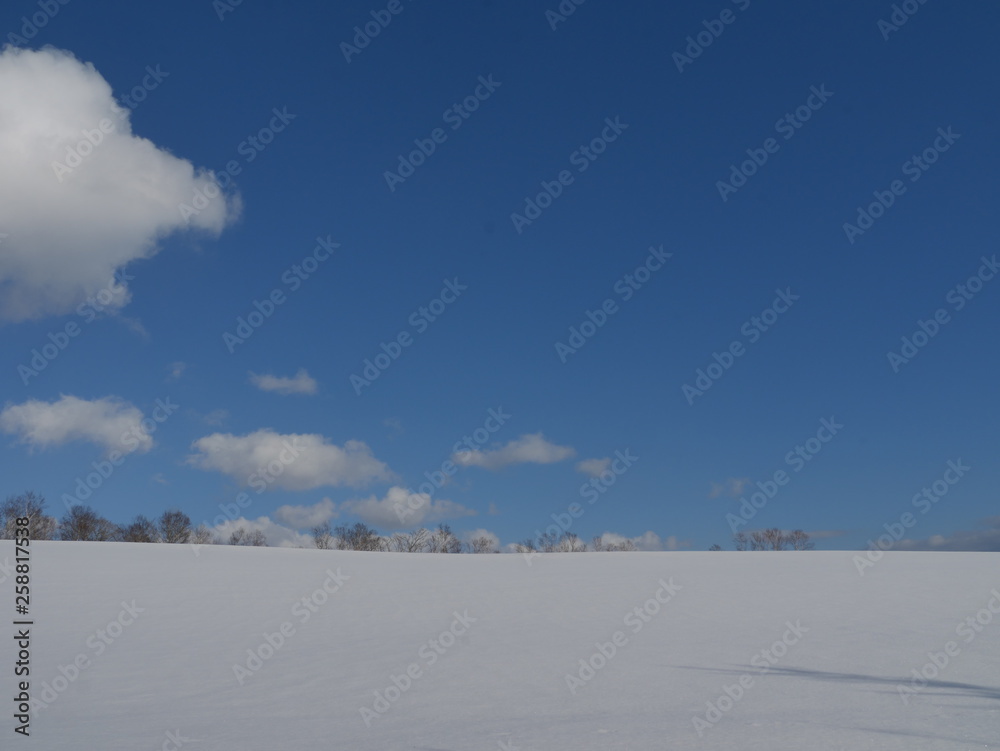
column 66, row 233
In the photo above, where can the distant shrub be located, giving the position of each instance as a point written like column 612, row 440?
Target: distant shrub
column 140, row 529
column 243, row 536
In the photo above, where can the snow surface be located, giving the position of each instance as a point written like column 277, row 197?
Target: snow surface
column 167, row 680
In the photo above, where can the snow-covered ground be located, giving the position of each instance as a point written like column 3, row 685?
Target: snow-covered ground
column 153, row 647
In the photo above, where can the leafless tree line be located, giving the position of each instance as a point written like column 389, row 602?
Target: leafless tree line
column 568, row 542
column 82, row 523
column 771, row 539
column 362, row 537
column 174, row 526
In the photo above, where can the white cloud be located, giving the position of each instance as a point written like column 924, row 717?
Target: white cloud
column 301, row 383
column 647, row 541
column 824, row 534
column 530, row 448
column 402, row 509
column 984, row 539
column 67, row 238
column 307, row 517
column 732, row 487
column 108, row 422
column 216, row 417
column 176, row 370
column 290, row 461
column 594, row 467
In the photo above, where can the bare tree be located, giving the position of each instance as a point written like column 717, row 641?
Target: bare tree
column 358, row 537
column 257, row 539
column 202, row 535
column 416, row 541
column 482, row 544
column 773, row 538
column 570, row 543
column 525, row 546
column 27, row 504
column 175, row 526
column 140, row 529
column 83, row 523
column 323, row 536
column 625, row 546
column 740, row 541
column 599, row 546
column 765, row 539
column 243, row 536
column 443, row 540
column 716, row 546
column 547, row 542
column 799, row 540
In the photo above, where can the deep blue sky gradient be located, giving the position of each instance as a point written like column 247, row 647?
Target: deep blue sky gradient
column 655, row 185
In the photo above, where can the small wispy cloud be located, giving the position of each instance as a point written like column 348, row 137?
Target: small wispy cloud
column 176, row 370
column 395, row 425
column 528, row 449
column 216, row 417
column 594, row 467
column 300, row 383
column 732, row 487
column 984, row 539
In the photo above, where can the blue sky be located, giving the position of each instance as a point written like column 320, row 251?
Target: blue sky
column 833, row 107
